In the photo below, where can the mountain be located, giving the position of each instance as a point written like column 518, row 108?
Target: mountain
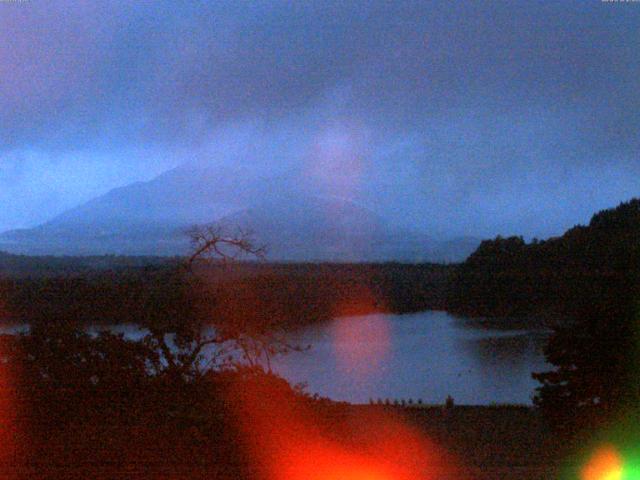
column 293, row 220
column 325, row 229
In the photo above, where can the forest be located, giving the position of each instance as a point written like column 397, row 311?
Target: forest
column 510, row 277
column 112, row 291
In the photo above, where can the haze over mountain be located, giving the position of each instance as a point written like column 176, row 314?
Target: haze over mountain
column 456, row 118
column 291, row 217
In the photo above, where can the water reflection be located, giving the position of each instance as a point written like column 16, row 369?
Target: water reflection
column 505, row 350
column 429, row 355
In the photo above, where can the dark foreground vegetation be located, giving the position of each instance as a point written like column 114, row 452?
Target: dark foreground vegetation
column 103, row 405
column 95, row 408
column 76, row 405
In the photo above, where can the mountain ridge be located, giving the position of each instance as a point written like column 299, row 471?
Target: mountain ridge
column 295, row 221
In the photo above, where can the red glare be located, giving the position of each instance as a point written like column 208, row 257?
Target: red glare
column 290, row 438
column 8, row 420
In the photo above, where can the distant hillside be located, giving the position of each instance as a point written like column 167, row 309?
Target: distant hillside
column 321, row 229
column 507, row 276
column 144, row 218
column 292, row 220
column 16, row 266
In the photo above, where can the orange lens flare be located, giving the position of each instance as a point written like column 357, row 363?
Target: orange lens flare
column 290, row 438
column 327, row 462
column 606, row 464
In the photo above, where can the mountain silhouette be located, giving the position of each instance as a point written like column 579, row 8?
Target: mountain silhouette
column 294, row 221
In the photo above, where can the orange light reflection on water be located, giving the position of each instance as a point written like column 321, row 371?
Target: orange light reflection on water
column 361, row 344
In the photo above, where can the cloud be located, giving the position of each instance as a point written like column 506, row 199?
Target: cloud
column 149, row 71
column 480, row 94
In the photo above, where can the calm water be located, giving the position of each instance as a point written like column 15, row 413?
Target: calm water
column 426, row 355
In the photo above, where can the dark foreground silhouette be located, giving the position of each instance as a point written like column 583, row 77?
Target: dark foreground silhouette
column 76, row 406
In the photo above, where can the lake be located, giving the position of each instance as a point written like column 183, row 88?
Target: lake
column 426, row 355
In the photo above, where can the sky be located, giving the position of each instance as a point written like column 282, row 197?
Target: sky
column 459, row 118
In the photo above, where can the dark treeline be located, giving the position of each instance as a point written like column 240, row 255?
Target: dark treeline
column 589, row 280
column 50, row 265
column 312, row 292
column 509, row 277
column 256, row 292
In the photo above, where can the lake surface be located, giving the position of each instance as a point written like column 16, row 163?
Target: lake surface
column 426, row 355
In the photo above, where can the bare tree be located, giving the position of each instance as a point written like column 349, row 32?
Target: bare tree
column 212, row 242
column 194, row 348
